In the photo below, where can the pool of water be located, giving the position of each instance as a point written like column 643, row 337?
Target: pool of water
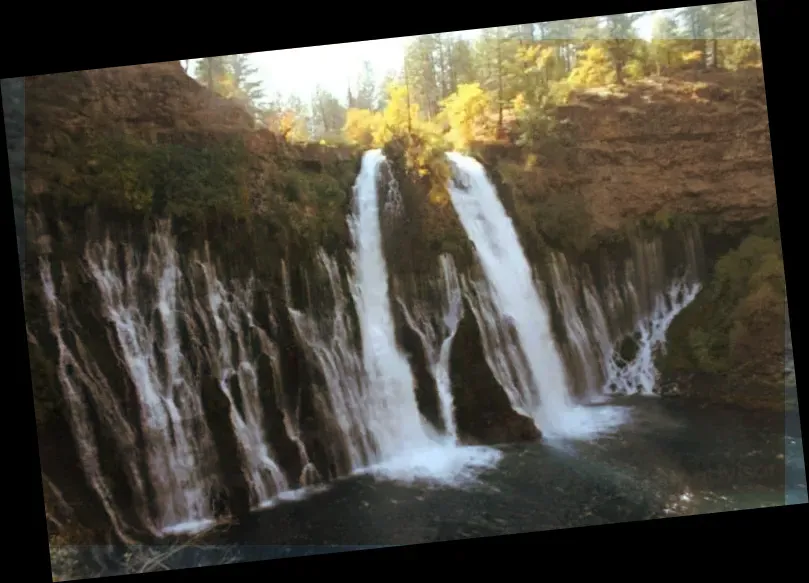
column 670, row 459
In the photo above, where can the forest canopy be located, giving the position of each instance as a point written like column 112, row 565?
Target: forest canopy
column 451, row 91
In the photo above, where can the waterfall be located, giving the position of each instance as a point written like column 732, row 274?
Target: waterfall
column 541, row 390
column 160, row 328
column 175, row 435
column 639, row 311
column 370, row 388
column 393, row 417
column 80, row 379
column 512, row 316
column 327, row 340
column 226, row 317
column 436, row 330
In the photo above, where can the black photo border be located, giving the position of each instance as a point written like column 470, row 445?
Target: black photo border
column 42, row 40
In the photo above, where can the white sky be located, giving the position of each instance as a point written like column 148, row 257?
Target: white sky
column 299, row 71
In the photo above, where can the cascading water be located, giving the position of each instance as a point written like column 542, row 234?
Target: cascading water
column 371, row 391
column 230, row 314
column 329, row 346
column 177, row 439
column 513, row 317
column 595, row 324
column 541, row 389
column 153, row 310
column 436, row 330
column 78, row 378
column 394, row 419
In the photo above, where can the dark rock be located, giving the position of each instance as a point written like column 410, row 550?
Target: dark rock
column 483, row 412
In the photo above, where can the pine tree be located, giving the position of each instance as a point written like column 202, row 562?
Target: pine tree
column 211, row 72
column 244, row 78
column 621, row 40
column 366, row 88
column 694, row 26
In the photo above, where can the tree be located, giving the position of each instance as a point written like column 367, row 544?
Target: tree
column 366, row 88
column 328, row 115
column 421, row 59
column 594, row 68
column 692, row 20
column 621, row 40
column 663, row 46
column 718, row 25
column 744, row 20
column 363, row 127
column 248, row 89
column 466, row 113
column 211, row 72
column 382, row 96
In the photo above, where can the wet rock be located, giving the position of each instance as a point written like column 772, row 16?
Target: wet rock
column 483, row 412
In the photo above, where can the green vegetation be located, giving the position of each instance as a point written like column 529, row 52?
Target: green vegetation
column 199, row 178
column 453, row 92
column 734, row 330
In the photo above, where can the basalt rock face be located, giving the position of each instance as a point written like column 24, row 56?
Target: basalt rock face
column 483, row 411
column 683, row 146
column 112, row 152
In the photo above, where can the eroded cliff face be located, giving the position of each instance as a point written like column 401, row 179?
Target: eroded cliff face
column 110, row 151
column 676, row 146
column 656, row 149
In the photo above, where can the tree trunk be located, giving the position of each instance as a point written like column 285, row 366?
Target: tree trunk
column 715, row 49
column 407, row 92
column 210, row 74
column 499, row 86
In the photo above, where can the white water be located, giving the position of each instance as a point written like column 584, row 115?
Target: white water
column 231, row 316
column 436, row 329
column 147, row 303
column 393, row 415
column 177, row 440
column 380, row 407
column 512, row 316
column 327, row 339
column 595, row 327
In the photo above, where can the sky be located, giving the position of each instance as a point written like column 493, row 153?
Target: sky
column 299, row 71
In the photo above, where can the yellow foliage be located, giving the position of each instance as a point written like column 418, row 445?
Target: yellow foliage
column 363, row 127
column 743, row 53
column 291, row 127
column 634, row 69
column 465, row 112
column 593, row 68
column 692, row 57
column 397, row 118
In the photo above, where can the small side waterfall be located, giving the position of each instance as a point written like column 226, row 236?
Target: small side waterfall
column 635, row 314
column 436, row 329
column 177, row 439
column 227, row 319
column 161, row 326
column 81, row 381
column 327, row 339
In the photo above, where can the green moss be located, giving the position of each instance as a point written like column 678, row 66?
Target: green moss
column 734, row 329
column 543, row 213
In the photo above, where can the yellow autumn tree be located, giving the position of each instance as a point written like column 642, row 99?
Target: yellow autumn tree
column 465, row 112
column 291, row 127
column 363, row 127
column 400, row 115
column 593, row 68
